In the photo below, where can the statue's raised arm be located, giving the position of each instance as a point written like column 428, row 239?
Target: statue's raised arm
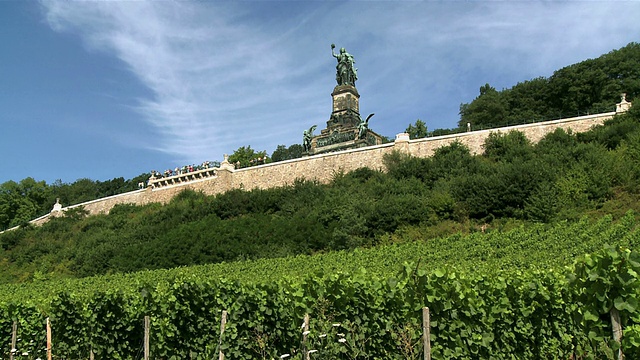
column 346, row 72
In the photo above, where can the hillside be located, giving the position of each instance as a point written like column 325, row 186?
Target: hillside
column 534, row 246
column 526, row 251
column 563, row 177
column 590, row 86
column 495, row 295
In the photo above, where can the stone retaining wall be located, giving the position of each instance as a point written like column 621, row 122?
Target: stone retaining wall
column 323, row 167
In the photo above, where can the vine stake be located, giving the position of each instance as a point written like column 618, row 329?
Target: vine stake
column 14, row 336
column 426, row 333
column 617, row 330
column 304, row 337
column 223, row 322
column 49, row 355
column 147, row 325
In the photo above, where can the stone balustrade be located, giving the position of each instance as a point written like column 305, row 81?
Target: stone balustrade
column 160, row 182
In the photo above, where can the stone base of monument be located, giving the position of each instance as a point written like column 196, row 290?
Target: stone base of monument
column 345, row 128
column 343, row 139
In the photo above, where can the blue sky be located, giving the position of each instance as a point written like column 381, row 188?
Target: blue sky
column 104, row 89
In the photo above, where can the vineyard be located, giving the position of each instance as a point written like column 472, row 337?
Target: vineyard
column 495, row 295
column 510, row 251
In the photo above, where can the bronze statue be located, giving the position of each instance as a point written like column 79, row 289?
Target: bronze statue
column 363, row 127
column 346, row 72
column 307, row 135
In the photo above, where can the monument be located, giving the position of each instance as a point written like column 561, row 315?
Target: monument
column 346, row 129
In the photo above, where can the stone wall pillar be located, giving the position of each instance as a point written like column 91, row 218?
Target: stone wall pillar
column 623, row 105
column 401, row 143
column 225, row 175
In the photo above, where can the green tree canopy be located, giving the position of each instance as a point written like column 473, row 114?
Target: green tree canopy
column 246, row 156
column 488, row 109
column 21, row 202
column 417, row 130
column 591, row 86
column 283, row 153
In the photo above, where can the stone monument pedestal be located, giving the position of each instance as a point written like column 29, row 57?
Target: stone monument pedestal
column 346, row 108
column 345, row 129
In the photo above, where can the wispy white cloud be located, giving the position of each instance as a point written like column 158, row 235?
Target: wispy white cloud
column 226, row 74
column 207, row 70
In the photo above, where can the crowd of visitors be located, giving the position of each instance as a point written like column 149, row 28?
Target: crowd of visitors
column 185, row 169
column 205, row 165
column 253, row 162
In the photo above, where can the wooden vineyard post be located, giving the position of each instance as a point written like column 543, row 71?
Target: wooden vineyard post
column 91, row 354
column 223, row 322
column 147, row 325
column 426, row 333
column 14, row 337
column 49, row 354
column 305, row 334
column 617, row 330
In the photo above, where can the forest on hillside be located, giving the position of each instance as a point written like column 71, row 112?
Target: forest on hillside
column 28, row 198
column 563, row 177
column 589, row 87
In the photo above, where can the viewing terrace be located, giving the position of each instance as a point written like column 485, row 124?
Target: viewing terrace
column 157, row 181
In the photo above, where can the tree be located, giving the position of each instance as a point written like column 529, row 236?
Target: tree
column 283, row 153
column 489, row 109
column 509, row 147
column 591, row 86
column 417, row 130
column 80, row 191
column 246, row 156
column 21, row 202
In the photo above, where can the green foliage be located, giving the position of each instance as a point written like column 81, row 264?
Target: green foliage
column 490, row 107
column 521, row 312
column 26, row 200
column 21, row 202
column 401, row 165
column 417, row 130
column 511, row 147
column 604, row 281
column 245, row 156
column 31, row 336
column 610, row 280
column 592, row 86
column 627, row 166
column 283, row 153
column 615, row 131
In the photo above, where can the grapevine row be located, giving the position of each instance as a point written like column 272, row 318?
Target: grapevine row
column 527, row 314
column 538, row 246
